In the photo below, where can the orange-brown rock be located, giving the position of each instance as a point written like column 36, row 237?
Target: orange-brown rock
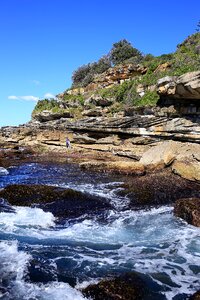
column 115, row 75
column 187, row 168
column 186, row 86
column 163, row 67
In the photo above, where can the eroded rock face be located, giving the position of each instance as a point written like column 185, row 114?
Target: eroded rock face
column 47, row 115
column 115, row 75
column 98, row 101
column 188, row 209
column 93, row 112
column 186, row 86
column 182, row 157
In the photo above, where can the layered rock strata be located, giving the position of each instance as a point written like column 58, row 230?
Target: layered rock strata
column 136, row 142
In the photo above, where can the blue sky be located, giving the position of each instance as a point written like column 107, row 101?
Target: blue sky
column 44, row 41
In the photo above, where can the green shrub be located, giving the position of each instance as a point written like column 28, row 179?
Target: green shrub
column 45, row 104
column 79, row 75
column 73, row 98
column 149, row 98
column 85, row 74
column 123, row 50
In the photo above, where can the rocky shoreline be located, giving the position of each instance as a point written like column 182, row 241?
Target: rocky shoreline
column 157, row 149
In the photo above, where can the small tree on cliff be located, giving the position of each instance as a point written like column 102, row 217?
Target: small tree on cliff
column 122, row 51
column 198, row 27
column 80, row 74
column 85, row 74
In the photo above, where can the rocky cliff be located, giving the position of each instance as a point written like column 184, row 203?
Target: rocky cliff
column 134, row 141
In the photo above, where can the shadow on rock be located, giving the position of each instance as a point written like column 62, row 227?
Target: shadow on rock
column 196, row 296
column 131, row 286
column 158, row 188
column 63, row 203
column 189, row 210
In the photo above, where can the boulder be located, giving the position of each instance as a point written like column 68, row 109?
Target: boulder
column 93, row 112
column 48, row 115
column 128, row 154
column 159, row 156
column 188, row 168
column 83, row 139
column 182, row 157
column 98, row 101
column 109, row 140
column 186, row 86
column 61, row 202
column 163, row 67
column 158, row 188
column 115, row 75
column 188, row 209
column 130, row 286
column 127, row 167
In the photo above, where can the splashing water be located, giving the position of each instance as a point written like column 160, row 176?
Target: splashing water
column 85, row 250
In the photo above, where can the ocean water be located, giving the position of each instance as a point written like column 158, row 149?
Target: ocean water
column 43, row 259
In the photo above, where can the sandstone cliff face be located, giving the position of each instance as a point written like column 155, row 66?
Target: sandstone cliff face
column 112, row 76
column 182, row 92
column 142, row 143
column 147, row 139
column 186, row 86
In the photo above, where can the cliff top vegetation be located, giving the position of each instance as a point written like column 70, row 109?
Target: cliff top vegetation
column 186, row 58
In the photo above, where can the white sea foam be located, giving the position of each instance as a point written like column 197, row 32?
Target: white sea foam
column 3, row 171
column 13, row 268
column 151, row 241
column 104, row 190
column 24, row 217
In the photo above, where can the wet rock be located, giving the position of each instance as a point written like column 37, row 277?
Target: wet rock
column 188, row 210
column 196, row 296
column 130, row 286
column 62, row 203
column 3, row 292
column 158, row 188
column 118, row 167
column 13, row 156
